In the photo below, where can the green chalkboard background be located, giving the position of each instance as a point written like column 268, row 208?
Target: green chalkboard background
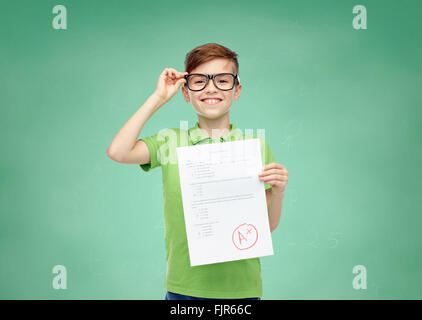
column 341, row 109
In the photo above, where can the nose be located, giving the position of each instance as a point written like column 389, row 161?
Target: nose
column 210, row 86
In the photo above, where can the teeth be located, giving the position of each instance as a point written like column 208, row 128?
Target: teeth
column 212, row 101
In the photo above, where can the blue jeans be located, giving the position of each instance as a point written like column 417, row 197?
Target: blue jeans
column 176, row 296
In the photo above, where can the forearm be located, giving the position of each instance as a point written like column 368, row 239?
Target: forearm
column 125, row 139
column 274, row 209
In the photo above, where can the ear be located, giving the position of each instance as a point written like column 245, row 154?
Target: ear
column 237, row 90
column 185, row 93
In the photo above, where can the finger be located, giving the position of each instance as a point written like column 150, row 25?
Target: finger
column 274, row 183
column 168, row 74
column 178, row 76
column 181, row 82
column 274, row 177
column 267, row 181
column 272, row 171
column 164, row 73
column 174, row 72
column 274, row 165
column 181, row 74
column 268, row 166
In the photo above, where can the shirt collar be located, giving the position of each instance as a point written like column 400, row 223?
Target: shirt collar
column 197, row 135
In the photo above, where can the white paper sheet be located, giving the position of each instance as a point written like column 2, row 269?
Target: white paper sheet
column 224, row 202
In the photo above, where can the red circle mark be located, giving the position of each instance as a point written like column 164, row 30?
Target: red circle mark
column 245, row 237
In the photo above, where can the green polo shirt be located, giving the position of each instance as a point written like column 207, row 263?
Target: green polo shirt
column 226, row 280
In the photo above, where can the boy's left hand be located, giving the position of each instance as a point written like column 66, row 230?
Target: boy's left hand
column 276, row 175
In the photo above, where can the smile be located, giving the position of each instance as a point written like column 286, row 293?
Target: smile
column 211, row 101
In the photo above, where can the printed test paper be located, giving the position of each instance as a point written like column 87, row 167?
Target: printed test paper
column 224, row 202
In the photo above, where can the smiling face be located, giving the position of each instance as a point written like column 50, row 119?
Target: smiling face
column 212, row 103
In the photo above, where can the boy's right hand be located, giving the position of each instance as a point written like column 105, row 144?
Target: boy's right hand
column 169, row 83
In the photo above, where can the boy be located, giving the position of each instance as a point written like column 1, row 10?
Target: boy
column 211, row 83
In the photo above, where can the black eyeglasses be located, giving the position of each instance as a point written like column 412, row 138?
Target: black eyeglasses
column 222, row 81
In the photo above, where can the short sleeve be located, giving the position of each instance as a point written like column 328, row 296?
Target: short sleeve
column 153, row 143
column 267, row 157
